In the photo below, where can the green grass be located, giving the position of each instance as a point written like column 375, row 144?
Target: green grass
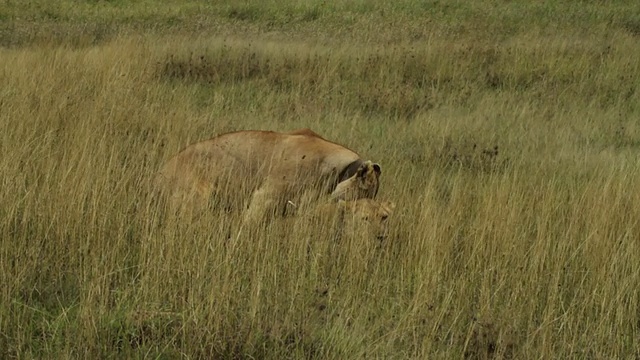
column 507, row 133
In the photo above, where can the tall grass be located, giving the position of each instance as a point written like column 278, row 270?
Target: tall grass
column 511, row 152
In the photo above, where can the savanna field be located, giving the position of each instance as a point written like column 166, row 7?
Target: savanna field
column 509, row 138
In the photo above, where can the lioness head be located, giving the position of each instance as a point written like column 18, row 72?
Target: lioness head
column 363, row 183
column 370, row 213
column 362, row 214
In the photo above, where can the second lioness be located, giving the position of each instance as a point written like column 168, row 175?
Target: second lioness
column 267, row 169
column 362, row 214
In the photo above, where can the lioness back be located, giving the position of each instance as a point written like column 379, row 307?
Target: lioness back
column 267, row 167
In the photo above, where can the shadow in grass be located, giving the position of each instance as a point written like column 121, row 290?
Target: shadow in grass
column 489, row 340
column 164, row 334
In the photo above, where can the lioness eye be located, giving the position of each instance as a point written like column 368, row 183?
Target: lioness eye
column 384, row 217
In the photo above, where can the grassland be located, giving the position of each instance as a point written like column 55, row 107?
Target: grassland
column 508, row 133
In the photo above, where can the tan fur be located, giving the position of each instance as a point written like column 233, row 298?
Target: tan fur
column 362, row 214
column 263, row 170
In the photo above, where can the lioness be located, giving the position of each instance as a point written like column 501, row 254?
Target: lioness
column 267, row 169
column 362, row 214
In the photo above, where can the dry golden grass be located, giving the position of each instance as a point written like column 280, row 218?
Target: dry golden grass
column 513, row 161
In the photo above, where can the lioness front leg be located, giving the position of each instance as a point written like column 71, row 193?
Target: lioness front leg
column 264, row 202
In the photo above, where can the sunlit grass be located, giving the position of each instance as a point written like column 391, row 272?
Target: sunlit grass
column 512, row 158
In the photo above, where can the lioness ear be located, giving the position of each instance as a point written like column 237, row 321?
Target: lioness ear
column 362, row 170
column 390, row 204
